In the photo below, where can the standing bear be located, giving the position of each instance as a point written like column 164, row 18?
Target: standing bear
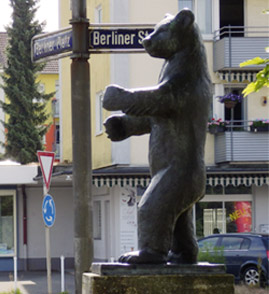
column 175, row 113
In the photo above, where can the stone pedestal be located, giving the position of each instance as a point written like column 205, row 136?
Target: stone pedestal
column 118, row 278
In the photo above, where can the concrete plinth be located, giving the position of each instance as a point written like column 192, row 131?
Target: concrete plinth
column 117, row 278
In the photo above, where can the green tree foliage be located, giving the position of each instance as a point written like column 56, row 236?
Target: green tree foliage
column 26, row 105
column 262, row 77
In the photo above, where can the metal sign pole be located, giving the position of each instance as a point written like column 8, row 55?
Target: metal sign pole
column 48, row 260
column 81, row 135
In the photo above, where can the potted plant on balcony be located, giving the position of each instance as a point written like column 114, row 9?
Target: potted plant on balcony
column 216, row 126
column 260, row 125
column 230, row 99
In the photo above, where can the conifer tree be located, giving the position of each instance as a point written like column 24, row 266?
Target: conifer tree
column 25, row 107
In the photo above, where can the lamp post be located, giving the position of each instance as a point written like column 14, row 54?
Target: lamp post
column 81, row 142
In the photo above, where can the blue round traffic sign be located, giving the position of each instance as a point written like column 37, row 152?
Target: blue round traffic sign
column 48, row 210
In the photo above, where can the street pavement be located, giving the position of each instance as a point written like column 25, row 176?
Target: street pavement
column 35, row 282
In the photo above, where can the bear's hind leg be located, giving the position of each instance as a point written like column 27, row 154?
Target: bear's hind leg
column 184, row 245
column 156, row 218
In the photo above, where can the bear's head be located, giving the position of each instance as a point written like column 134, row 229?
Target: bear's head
column 170, row 35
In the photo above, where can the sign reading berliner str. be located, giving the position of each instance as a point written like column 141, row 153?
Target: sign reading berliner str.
column 118, row 38
column 101, row 40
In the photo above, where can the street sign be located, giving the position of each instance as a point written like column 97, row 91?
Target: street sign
column 103, row 38
column 48, row 210
column 46, row 163
column 117, row 38
column 57, row 44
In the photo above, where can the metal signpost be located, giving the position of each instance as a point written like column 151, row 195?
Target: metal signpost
column 79, row 42
column 46, row 160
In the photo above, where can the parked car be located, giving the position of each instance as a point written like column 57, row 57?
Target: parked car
column 246, row 255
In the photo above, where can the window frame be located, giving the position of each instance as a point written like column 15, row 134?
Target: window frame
column 214, row 18
column 13, row 194
column 99, row 113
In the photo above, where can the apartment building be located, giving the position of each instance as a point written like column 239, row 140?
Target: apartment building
column 236, row 157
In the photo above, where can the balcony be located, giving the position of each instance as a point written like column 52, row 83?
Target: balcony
column 241, row 143
column 233, row 45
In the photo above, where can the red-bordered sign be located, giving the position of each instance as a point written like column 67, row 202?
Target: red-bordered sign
column 46, row 160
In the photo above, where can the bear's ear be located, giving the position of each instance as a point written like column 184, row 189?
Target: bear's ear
column 184, row 18
column 168, row 15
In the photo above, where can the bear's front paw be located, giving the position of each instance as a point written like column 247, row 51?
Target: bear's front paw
column 144, row 256
column 113, row 97
column 115, row 128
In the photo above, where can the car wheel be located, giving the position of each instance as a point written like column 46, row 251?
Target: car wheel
column 251, row 276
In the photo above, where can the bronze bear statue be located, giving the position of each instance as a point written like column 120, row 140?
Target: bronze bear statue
column 175, row 113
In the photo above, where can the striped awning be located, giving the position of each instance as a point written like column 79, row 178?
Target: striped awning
column 237, row 180
column 212, row 180
column 237, row 76
column 121, row 181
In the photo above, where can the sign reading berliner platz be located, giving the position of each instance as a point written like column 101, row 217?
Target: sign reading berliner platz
column 124, row 39
column 56, row 43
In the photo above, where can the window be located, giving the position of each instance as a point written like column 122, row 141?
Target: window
column 98, row 14
column 99, row 113
column 97, row 220
column 7, row 223
column 203, row 13
column 185, row 3
column 204, row 16
column 239, row 216
column 231, row 243
column 208, row 244
column 226, row 216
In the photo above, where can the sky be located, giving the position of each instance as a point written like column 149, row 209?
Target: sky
column 48, row 11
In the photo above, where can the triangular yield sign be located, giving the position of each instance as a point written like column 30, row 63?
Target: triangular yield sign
column 46, row 163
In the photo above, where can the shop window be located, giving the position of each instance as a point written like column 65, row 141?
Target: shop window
column 7, row 223
column 223, row 217
column 239, row 218
column 209, row 217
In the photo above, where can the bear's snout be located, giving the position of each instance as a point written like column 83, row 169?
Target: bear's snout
column 146, row 42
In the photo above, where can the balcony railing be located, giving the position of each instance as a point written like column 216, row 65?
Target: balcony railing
column 242, row 142
column 235, row 44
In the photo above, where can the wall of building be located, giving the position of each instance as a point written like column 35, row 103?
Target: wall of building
column 258, row 104
column 254, row 15
column 61, row 234
column 261, row 202
column 100, row 77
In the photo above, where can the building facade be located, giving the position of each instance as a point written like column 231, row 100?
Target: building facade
column 237, row 157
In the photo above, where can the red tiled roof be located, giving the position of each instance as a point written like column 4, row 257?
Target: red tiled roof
column 51, row 67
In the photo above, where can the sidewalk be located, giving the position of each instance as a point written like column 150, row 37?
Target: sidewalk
column 35, row 282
